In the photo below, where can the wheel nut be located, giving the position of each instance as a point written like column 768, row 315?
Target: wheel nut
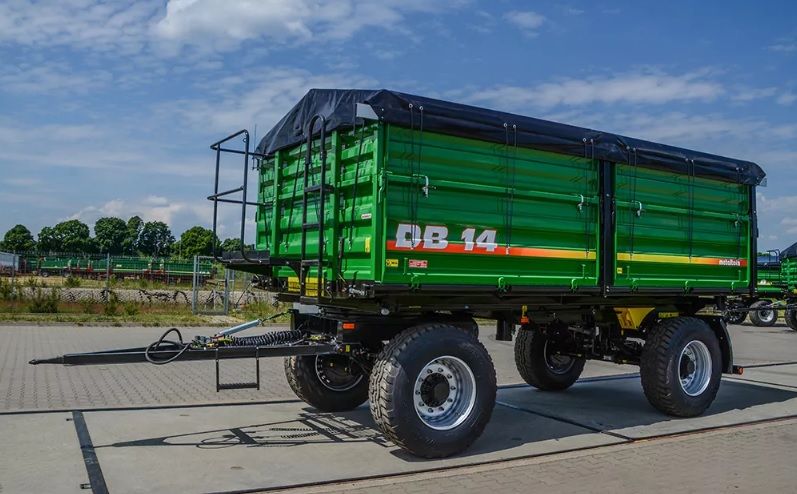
column 440, row 370
column 453, row 388
column 428, row 371
column 420, row 403
column 450, row 400
column 449, row 376
column 417, row 392
column 430, row 410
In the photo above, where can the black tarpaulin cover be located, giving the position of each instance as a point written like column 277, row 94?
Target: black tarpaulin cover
column 338, row 106
column 790, row 251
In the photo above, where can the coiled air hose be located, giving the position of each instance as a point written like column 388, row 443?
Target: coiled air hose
column 267, row 339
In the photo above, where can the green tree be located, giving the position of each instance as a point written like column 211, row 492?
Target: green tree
column 134, row 226
column 231, row 245
column 197, row 241
column 18, row 239
column 110, row 235
column 67, row 236
column 156, row 239
column 47, row 240
column 73, row 236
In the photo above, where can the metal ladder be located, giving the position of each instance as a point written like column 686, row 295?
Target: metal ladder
column 320, row 190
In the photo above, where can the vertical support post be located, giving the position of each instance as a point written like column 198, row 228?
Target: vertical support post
column 227, row 274
column 752, row 267
column 108, row 271
column 503, row 329
column 275, row 205
column 194, row 293
column 606, row 248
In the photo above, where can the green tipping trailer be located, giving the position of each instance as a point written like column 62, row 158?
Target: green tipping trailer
column 394, row 221
column 775, row 291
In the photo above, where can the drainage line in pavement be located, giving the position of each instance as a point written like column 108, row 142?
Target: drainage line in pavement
column 134, row 408
column 615, row 377
column 774, row 364
column 96, row 479
column 496, row 461
column 742, row 380
column 564, row 420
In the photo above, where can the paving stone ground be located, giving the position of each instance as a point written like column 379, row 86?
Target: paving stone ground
column 43, row 387
column 747, row 459
column 750, row 458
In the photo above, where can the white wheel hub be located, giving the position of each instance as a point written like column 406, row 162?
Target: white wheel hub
column 444, row 393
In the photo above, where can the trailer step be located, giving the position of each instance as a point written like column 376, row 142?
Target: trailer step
column 239, row 385
column 226, row 386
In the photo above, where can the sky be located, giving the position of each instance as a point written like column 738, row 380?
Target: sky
column 107, row 108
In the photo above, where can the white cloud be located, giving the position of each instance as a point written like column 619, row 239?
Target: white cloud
column 175, row 213
column 528, row 21
column 750, row 94
column 223, row 25
column 258, row 97
column 112, row 27
column 786, row 98
column 626, row 88
column 784, row 47
column 49, row 79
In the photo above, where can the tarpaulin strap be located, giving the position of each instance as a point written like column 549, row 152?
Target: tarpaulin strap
column 690, row 164
column 587, row 192
column 511, row 174
column 633, row 163
column 356, row 177
column 738, row 223
column 413, row 189
column 293, row 195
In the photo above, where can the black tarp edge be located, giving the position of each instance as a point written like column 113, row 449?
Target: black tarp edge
column 338, row 106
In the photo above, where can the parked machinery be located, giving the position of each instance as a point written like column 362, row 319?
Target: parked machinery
column 776, row 292
column 394, row 221
column 173, row 270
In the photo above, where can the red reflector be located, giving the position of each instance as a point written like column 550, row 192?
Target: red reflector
column 348, row 325
column 524, row 320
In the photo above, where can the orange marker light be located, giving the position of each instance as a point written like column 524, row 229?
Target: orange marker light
column 349, row 325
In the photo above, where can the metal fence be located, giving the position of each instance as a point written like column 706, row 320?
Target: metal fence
column 9, row 264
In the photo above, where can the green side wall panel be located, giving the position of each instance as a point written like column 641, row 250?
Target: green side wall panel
column 415, row 208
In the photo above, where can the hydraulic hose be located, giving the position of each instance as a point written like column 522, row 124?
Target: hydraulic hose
column 156, row 346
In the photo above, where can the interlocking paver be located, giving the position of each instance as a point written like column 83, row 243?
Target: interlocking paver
column 41, row 387
column 748, row 459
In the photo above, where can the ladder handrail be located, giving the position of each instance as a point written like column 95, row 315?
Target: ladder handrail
column 217, row 196
column 320, row 209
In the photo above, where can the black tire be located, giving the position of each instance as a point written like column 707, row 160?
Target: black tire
column 763, row 318
column 538, row 368
column 662, row 368
column 393, row 390
column 329, row 383
column 791, row 318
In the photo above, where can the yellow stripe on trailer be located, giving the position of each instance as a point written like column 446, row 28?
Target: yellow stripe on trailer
column 673, row 259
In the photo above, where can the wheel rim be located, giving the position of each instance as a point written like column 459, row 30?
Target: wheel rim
column 337, row 372
column 558, row 364
column 694, row 368
column 766, row 315
column 445, row 392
